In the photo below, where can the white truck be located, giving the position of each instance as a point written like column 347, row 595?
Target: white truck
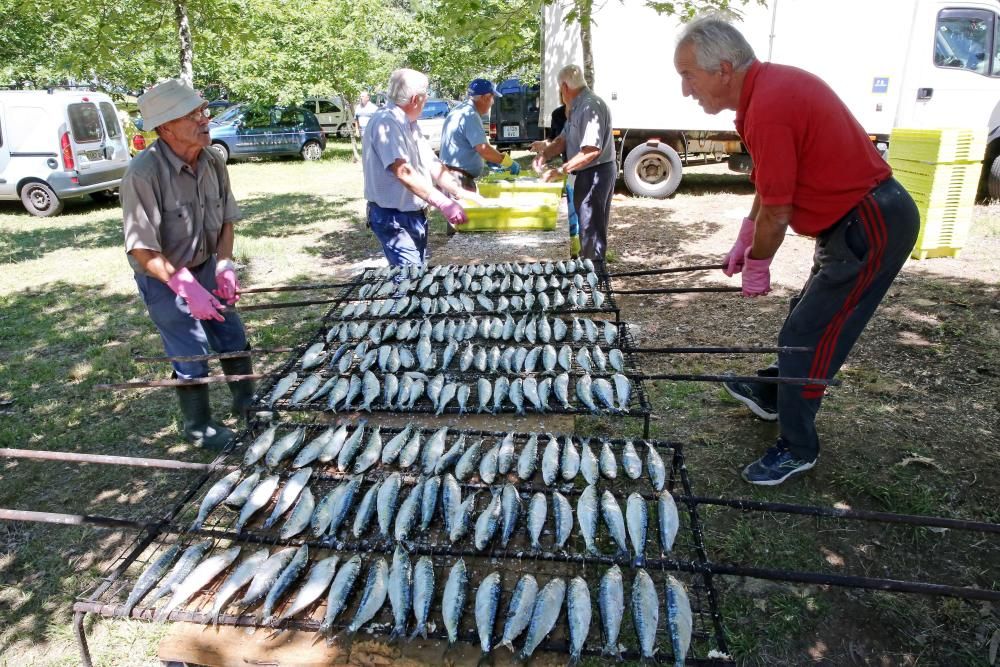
column 895, row 63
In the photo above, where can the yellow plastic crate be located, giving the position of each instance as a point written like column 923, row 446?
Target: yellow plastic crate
column 493, row 188
column 943, row 231
column 503, row 219
column 938, row 184
column 945, row 145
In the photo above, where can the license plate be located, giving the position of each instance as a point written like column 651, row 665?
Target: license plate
column 95, row 155
column 511, row 131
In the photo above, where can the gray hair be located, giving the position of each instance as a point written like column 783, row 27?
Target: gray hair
column 716, row 40
column 572, row 76
column 405, row 83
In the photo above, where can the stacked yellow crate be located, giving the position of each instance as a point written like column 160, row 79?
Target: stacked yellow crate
column 940, row 169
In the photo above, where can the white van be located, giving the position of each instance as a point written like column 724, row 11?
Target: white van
column 59, row 144
column 333, row 114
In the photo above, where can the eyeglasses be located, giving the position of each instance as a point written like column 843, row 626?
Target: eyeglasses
column 196, row 115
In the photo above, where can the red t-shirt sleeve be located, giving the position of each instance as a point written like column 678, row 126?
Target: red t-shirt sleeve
column 775, row 167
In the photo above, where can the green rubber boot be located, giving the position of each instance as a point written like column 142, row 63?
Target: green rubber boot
column 199, row 428
column 242, row 390
column 574, row 247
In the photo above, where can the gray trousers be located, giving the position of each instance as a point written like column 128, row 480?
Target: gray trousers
column 592, row 198
column 855, row 262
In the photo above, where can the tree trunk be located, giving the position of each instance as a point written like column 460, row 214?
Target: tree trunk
column 351, row 119
column 585, row 7
column 184, row 36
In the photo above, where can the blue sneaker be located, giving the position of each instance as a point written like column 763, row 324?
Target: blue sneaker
column 775, row 467
column 749, row 394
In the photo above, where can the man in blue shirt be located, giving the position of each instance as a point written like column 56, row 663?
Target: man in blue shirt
column 464, row 144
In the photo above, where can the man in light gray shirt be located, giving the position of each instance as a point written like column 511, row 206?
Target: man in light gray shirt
column 402, row 174
column 178, row 211
column 591, row 164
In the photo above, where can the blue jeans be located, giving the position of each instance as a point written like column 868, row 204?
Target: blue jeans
column 572, row 218
column 403, row 234
column 183, row 335
column 592, row 201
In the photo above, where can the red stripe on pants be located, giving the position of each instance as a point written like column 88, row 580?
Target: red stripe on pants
column 874, row 224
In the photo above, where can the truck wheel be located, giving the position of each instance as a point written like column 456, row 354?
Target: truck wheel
column 39, row 200
column 993, row 180
column 653, row 169
column 344, row 131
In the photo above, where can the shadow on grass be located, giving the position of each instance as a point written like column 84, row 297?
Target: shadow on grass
column 55, row 345
column 282, row 215
column 53, row 234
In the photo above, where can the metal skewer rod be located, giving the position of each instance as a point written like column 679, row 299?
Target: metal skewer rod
column 287, row 304
column 740, row 378
column 676, row 290
column 218, row 355
column 211, row 379
column 844, row 513
column 72, row 457
column 673, row 269
column 715, row 350
column 75, row 519
column 294, row 288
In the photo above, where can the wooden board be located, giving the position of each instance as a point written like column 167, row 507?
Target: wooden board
column 227, row 646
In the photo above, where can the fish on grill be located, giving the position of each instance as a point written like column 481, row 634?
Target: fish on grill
column 486, row 524
column 570, row 459
column 669, row 520
column 679, row 619
column 282, row 387
column 453, row 599
column 376, row 590
column 289, row 494
column 311, row 451
column 340, row 590
column 510, row 509
column 149, row 577
column 589, row 465
column 608, row 465
column 423, row 594
column 468, row 462
column 645, row 613
column 388, row 500
column 219, row 492
column 288, row 576
column 537, row 510
column 240, row 577
column 487, row 601
column 259, row 497
column 611, row 603
column 548, row 605
column 301, row 515
column 636, row 518
column 614, row 520
column 400, row 591
column 371, row 453
column 406, row 517
column 264, row 578
column 365, row 510
column 304, row 392
column 577, row 616
column 428, row 502
column 287, row 445
column 655, row 469
column 563, row 514
column 631, row 462
column 260, row 446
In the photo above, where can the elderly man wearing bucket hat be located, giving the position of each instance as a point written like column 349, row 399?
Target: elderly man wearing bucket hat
column 179, row 210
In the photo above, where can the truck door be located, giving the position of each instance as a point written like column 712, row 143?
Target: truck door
column 6, row 187
column 254, row 135
column 953, row 77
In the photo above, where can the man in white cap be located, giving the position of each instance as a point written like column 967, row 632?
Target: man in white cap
column 179, row 210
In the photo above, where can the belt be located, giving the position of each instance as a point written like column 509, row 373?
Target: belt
column 460, row 171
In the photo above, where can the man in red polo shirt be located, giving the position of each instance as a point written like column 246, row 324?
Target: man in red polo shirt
column 816, row 171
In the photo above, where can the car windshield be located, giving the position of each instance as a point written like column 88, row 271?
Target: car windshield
column 229, row 114
column 434, row 109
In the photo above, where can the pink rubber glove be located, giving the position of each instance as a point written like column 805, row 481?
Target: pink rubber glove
column 227, row 287
column 449, row 208
column 203, row 305
column 756, row 275
column 734, row 260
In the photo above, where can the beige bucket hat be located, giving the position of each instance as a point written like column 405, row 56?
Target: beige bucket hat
column 167, row 101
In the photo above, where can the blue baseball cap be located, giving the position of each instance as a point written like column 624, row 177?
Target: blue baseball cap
column 483, row 87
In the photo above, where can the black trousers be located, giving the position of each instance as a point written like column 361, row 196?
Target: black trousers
column 592, row 198
column 855, row 262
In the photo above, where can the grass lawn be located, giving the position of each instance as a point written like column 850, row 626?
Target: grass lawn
column 916, row 421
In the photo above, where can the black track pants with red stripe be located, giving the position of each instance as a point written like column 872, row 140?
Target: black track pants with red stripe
column 855, row 262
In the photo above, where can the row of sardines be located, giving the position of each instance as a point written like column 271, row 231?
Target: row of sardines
column 483, row 279
column 532, row 329
column 286, row 584
column 404, row 507
column 356, row 449
column 441, row 271
column 416, row 391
